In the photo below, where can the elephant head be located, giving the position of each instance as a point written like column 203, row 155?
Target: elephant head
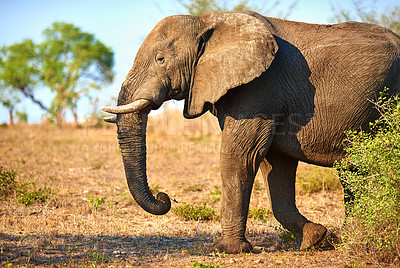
column 195, row 58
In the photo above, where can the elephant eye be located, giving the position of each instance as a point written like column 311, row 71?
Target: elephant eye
column 160, row 59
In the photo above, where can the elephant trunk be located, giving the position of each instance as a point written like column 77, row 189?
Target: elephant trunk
column 132, row 141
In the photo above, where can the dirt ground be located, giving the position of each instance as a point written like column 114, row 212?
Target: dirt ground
column 80, row 165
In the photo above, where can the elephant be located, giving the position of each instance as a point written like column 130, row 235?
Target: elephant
column 282, row 92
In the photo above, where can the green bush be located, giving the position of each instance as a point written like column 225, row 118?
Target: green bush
column 196, row 212
column 372, row 172
column 27, row 196
column 8, row 184
column 24, row 193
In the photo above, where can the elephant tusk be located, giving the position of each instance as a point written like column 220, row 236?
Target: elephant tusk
column 127, row 108
column 110, row 119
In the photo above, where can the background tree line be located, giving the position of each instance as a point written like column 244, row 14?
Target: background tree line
column 73, row 63
column 69, row 61
column 363, row 11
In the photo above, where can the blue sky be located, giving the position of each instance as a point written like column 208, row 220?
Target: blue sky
column 122, row 25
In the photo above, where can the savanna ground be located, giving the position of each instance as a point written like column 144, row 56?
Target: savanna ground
column 92, row 220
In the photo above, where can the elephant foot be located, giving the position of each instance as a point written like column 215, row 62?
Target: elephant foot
column 232, row 246
column 312, row 236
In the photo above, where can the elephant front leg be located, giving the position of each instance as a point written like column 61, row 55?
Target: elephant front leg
column 236, row 190
column 244, row 145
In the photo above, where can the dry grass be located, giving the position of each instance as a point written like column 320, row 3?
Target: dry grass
column 81, row 166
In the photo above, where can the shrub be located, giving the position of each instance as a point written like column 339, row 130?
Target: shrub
column 8, row 183
column 22, row 191
column 27, row 196
column 372, row 172
column 196, row 212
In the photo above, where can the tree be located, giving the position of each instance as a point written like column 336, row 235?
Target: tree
column 198, row 7
column 73, row 63
column 8, row 99
column 19, row 74
column 366, row 12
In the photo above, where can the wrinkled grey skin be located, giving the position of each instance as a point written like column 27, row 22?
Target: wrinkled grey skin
column 282, row 91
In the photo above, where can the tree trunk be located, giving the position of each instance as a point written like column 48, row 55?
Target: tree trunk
column 76, row 122
column 11, row 114
column 60, row 117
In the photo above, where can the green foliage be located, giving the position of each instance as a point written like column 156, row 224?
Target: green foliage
column 73, row 62
column 96, row 202
column 312, row 179
column 353, row 264
column 18, row 73
column 97, row 257
column 196, row 212
column 27, row 196
column 366, row 12
column 371, row 171
column 22, row 117
column 286, row 235
column 19, row 65
column 155, row 189
column 257, row 185
column 69, row 61
column 261, row 214
column 201, row 265
column 198, row 7
column 24, row 193
column 8, row 184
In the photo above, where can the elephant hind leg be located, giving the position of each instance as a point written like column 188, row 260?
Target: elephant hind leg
column 280, row 174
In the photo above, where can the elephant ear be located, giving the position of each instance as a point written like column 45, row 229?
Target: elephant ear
column 237, row 48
